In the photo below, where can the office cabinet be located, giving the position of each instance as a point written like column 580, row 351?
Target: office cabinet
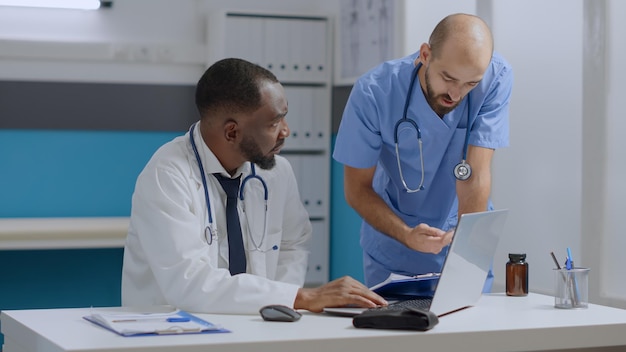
column 308, row 170
column 297, row 50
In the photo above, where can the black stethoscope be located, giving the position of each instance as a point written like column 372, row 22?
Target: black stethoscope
column 462, row 171
column 210, row 231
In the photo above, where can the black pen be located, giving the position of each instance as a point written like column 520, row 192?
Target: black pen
column 555, row 261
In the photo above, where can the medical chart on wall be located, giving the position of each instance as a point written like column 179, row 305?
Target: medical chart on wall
column 366, row 37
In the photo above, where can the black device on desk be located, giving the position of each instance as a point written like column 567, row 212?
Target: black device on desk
column 277, row 312
column 402, row 318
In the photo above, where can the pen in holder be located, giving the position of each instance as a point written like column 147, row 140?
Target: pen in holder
column 572, row 286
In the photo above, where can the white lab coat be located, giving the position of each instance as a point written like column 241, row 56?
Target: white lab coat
column 167, row 259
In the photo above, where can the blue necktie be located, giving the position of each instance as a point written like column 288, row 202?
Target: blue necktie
column 236, row 253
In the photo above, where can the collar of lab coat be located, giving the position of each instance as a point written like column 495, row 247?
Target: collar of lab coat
column 209, row 161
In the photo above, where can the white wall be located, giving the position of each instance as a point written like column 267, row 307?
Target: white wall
column 421, row 16
column 539, row 176
column 562, row 180
column 135, row 41
column 160, row 21
column 604, row 166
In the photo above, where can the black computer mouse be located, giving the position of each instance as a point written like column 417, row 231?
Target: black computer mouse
column 277, row 312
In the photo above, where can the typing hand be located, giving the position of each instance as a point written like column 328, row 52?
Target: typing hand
column 338, row 293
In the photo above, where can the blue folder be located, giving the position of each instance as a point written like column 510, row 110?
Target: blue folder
column 398, row 287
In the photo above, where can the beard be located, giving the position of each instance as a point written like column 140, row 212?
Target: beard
column 432, row 98
column 253, row 153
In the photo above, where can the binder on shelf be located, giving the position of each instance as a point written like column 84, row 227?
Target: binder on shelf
column 141, row 324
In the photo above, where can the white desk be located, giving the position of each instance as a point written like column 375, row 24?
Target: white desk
column 497, row 323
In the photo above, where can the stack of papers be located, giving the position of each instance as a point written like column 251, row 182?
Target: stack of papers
column 137, row 324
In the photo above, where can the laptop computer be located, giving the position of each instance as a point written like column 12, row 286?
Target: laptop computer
column 466, row 265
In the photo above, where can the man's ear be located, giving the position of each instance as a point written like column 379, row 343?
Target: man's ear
column 231, row 130
column 424, row 54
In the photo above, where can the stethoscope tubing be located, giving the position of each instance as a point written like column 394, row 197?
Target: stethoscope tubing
column 252, row 176
column 212, row 231
column 419, row 136
column 462, row 171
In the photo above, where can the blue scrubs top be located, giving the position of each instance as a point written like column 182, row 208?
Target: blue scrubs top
column 366, row 139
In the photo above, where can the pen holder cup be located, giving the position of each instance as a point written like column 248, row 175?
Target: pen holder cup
column 572, row 288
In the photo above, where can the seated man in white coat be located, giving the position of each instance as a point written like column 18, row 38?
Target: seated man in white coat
column 179, row 250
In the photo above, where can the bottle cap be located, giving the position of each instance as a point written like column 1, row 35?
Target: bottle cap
column 517, row 257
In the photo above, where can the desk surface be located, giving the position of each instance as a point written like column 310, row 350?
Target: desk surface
column 497, row 323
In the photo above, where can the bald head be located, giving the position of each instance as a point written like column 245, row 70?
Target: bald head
column 455, row 59
column 466, row 35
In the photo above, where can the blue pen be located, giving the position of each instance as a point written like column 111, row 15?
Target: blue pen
column 140, row 320
column 569, row 263
column 177, row 320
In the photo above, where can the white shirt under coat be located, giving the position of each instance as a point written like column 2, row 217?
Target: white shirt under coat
column 167, row 260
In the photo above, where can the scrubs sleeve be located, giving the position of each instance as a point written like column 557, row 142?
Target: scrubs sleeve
column 359, row 142
column 180, row 259
column 491, row 128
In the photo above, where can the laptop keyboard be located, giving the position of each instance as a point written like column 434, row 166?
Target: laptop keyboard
column 417, row 303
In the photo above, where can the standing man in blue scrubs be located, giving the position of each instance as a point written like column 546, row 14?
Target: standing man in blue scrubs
column 455, row 91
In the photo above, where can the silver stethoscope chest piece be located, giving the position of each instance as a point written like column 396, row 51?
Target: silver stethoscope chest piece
column 462, row 171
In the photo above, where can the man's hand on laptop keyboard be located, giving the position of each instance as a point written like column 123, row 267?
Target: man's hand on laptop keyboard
column 337, row 293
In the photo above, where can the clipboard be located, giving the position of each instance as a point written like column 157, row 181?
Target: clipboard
column 142, row 324
column 401, row 287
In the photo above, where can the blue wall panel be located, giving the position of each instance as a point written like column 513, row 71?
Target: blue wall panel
column 67, row 174
column 345, row 224
column 49, row 173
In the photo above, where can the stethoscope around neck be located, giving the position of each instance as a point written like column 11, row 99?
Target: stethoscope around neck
column 462, row 171
column 210, row 231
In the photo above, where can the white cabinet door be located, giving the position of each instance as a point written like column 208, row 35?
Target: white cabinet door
column 296, row 50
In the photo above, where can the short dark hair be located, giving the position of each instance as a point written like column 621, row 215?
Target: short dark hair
column 231, row 85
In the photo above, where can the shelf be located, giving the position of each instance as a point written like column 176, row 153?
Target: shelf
column 63, row 233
